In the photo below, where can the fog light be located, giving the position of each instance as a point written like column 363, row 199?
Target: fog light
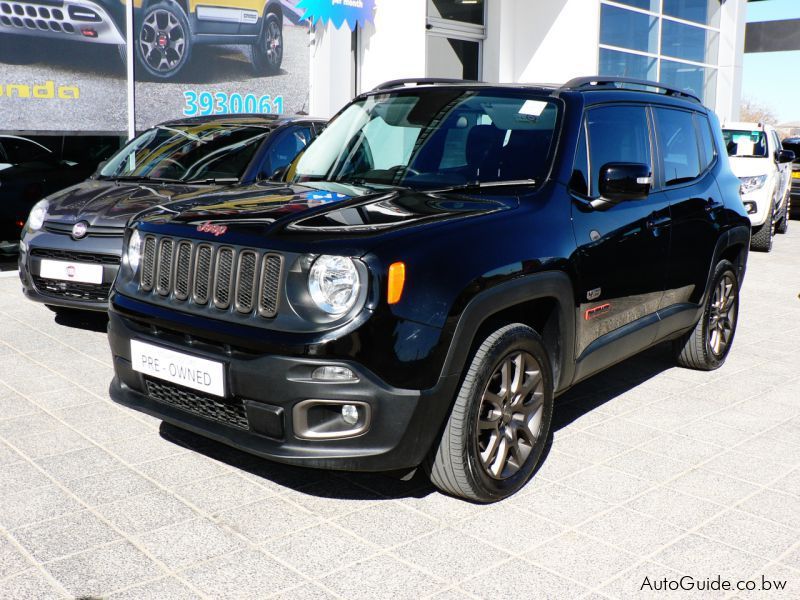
column 751, row 207
column 331, row 373
column 350, row 414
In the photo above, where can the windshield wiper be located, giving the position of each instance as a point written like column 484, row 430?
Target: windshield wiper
column 480, row 185
column 144, row 178
column 216, row 180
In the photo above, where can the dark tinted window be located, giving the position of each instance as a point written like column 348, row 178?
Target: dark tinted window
column 706, row 141
column 285, row 149
column 617, row 134
column 579, row 182
column 678, row 143
column 20, row 150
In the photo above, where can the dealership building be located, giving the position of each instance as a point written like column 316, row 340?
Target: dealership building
column 696, row 45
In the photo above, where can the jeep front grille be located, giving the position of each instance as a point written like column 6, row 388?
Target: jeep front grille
column 245, row 281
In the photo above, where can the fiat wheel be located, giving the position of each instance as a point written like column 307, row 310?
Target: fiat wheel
column 499, row 424
column 163, row 40
column 267, row 52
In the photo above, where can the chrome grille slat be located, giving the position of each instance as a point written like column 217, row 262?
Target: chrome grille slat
column 245, row 281
column 269, row 287
column 164, row 276
column 223, row 277
column 183, row 268
column 148, row 263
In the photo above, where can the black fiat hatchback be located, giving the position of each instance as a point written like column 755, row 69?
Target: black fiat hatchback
column 71, row 244
column 442, row 263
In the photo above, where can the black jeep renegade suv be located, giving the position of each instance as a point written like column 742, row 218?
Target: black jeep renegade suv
column 443, row 261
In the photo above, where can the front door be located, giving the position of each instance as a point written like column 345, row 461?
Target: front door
column 622, row 250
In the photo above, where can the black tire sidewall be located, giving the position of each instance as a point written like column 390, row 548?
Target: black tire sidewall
column 714, row 360
column 511, row 341
column 177, row 11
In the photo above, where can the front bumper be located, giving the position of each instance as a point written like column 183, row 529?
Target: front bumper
column 80, row 20
column 264, row 391
column 56, row 246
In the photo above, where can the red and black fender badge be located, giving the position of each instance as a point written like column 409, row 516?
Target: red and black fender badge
column 596, row 311
column 208, row 227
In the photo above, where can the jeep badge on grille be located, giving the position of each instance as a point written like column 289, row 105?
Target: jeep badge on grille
column 209, row 227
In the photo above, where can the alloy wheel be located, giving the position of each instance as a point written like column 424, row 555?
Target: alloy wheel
column 162, row 41
column 721, row 317
column 273, row 42
column 510, row 415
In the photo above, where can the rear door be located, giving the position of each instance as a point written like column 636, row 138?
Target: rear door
column 622, row 250
column 688, row 155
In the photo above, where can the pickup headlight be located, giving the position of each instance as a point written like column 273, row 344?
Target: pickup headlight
column 134, row 250
column 38, row 215
column 750, row 184
column 334, row 284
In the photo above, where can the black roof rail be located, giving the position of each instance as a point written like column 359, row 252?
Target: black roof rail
column 599, row 82
column 395, row 83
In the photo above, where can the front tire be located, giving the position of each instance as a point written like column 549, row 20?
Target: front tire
column 706, row 347
column 783, row 223
column 163, row 40
column 761, row 240
column 499, row 424
column 267, row 52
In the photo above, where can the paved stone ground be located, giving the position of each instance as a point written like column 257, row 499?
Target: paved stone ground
column 653, row 472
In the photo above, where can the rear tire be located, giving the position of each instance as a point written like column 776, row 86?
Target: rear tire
column 761, row 240
column 706, row 347
column 499, row 424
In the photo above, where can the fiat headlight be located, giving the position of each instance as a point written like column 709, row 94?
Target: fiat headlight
column 334, row 284
column 134, row 250
column 750, row 184
column 38, row 215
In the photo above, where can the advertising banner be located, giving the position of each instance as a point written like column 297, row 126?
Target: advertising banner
column 63, row 62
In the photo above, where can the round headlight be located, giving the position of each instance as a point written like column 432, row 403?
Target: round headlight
column 134, row 250
column 38, row 215
column 334, row 283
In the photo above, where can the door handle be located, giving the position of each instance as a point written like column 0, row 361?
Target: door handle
column 654, row 222
column 711, row 204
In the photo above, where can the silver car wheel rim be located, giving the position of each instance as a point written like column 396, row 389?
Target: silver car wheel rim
column 273, row 42
column 162, row 41
column 510, row 415
column 722, row 315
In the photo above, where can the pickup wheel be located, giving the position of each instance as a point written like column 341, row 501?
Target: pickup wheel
column 761, row 240
column 707, row 345
column 163, row 40
column 499, row 424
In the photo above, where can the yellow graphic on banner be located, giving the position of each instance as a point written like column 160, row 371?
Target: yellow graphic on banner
column 44, row 91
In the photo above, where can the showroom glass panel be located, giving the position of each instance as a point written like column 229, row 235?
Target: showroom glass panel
column 624, row 64
column 617, row 134
column 628, row 29
column 678, row 145
column 457, row 10
column 651, row 5
column 453, row 58
column 699, row 11
column 700, row 81
column 679, row 40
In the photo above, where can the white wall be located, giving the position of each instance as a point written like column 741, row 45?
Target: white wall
column 331, row 75
column 733, row 19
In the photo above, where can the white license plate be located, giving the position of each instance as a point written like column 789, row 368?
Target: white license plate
column 71, row 271
column 176, row 367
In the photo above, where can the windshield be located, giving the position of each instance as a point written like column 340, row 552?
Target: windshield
column 752, row 144
column 435, row 138
column 187, row 153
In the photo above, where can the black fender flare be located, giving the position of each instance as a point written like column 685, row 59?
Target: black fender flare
column 556, row 285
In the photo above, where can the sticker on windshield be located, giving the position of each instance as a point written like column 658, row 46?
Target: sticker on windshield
column 533, row 108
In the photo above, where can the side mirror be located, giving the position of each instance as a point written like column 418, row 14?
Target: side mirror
column 620, row 182
column 785, row 156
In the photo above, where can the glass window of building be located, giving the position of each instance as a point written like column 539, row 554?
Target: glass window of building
column 455, row 34
column 675, row 42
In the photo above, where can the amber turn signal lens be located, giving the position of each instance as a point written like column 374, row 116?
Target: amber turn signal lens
column 397, row 278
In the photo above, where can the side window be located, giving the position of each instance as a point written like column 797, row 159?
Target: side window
column 616, row 134
column 678, row 143
column 284, row 150
column 579, row 181
column 709, row 149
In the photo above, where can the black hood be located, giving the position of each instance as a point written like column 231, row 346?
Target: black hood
column 318, row 208
column 110, row 203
